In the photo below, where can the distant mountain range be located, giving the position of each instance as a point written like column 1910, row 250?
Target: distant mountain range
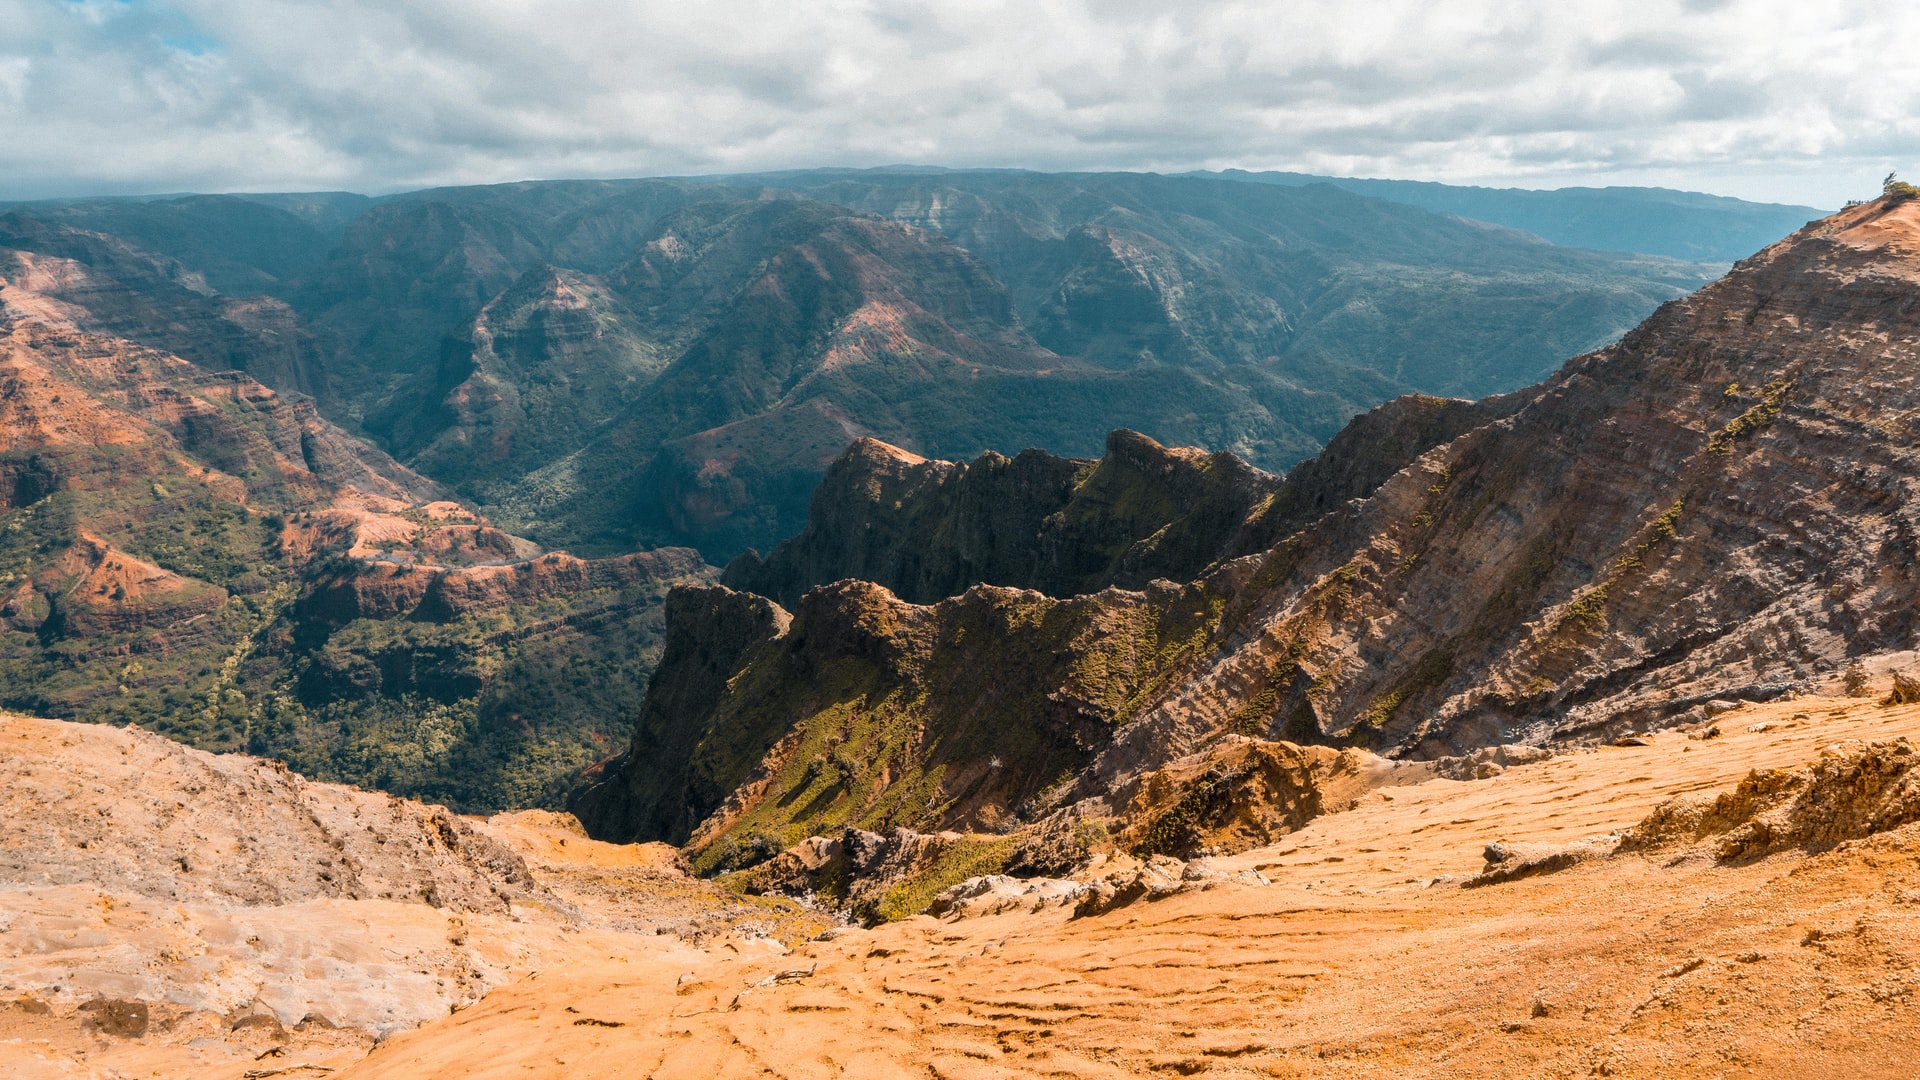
column 1652, row 221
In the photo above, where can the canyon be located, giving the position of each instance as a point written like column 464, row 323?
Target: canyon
column 1564, row 731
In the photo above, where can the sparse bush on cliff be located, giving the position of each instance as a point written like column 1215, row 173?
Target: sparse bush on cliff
column 1898, row 190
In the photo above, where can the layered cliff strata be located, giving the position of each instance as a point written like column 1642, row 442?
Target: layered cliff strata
column 1719, row 505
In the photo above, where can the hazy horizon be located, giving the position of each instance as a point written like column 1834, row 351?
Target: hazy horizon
column 376, row 193
column 1754, row 99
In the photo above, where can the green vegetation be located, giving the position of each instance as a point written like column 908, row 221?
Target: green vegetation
column 968, row 857
column 981, row 703
column 1177, row 832
column 488, row 712
column 1757, row 416
column 1254, row 717
column 135, row 666
column 1588, row 611
column 1432, row 671
column 483, row 713
column 1664, row 527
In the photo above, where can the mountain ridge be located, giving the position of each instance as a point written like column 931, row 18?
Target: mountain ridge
column 1660, row 221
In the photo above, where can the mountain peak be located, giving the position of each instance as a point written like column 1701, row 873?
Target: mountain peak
column 869, row 449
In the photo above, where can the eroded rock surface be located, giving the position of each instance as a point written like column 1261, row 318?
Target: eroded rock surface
column 210, row 911
column 1854, row 790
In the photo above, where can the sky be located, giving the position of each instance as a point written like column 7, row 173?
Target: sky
column 1809, row 103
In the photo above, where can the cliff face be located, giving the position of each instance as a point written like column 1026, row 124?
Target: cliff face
column 888, row 526
column 1721, row 505
column 927, row 530
column 651, row 790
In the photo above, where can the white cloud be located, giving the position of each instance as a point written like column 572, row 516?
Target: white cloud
column 1810, row 102
column 13, row 79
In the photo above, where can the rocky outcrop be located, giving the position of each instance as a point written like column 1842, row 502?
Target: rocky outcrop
column 650, row 792
column 1853, row 791
column 997, row 894
column 1665, row 522
column 856, row 871
column 1510, row 862
column 928, row 530
column 1245, row 793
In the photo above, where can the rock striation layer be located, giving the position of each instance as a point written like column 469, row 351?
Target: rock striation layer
column 1718, row 506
